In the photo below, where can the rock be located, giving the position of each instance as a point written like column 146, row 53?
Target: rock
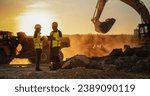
column 107, row 61
column 130, row 51
column 96, row 62
column 148, row 59
column 76, row 61
column 116, row 53
column 82, row 58
column 148, row 66
column 126, row 47
column 124, row 63
column 134, row 59
column 142, row 53
column 109, row 67
column 141, row 66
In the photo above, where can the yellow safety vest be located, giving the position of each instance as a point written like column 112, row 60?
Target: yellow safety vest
column 56, row 41
column 37, row 41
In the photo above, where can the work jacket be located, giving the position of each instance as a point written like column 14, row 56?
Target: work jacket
column 57, row 38
column 37, row 41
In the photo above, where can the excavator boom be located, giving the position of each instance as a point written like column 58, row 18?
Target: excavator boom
column 139, row 6
column 104, row 27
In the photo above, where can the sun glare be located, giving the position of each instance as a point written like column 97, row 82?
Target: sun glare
column 28, row 20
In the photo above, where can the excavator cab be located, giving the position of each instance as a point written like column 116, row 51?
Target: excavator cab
column 144, row 34
column 8, row 44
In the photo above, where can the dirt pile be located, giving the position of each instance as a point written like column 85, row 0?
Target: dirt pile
column 130, row 60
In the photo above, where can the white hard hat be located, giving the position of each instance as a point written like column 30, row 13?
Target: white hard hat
column 37, row 26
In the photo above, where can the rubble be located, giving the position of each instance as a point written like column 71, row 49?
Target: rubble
column 116, row 65
column 76, row 61
column 131, row 60
column 116, row 53
column 140, row 52
column 142, row 65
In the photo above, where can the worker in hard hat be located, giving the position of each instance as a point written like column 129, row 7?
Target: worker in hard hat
column 38, row 45
column 55, row 38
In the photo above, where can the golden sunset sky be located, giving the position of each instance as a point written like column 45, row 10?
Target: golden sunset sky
column 73, row 16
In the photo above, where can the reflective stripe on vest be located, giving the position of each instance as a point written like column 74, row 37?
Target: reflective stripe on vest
column 56, row 42
column 37, row 42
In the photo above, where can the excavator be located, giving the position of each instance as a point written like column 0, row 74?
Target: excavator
column 143, row 30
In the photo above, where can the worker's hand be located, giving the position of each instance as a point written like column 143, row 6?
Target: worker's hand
column 48, row 37
column 51, row 38
column 42, row 38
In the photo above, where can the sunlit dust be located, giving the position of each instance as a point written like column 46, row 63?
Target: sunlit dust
column 28, row 20
column 20, row 61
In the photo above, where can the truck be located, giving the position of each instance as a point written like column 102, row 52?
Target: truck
column 9, row 47
column 8, row 44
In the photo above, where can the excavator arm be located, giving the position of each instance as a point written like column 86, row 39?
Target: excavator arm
column 139, row 6
column 104, row 27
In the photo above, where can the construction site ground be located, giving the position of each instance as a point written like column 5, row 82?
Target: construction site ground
column 28, row 72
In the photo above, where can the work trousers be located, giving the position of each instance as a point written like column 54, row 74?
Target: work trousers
column 55, row 58
column 38, row 57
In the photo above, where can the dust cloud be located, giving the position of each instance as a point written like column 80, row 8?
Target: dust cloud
column 91, row 45
column 97, row 45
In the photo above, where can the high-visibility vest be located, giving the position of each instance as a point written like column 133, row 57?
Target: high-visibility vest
column 56, row 41
column 37, row 41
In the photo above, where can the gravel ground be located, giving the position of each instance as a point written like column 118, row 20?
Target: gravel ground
column 28, row 72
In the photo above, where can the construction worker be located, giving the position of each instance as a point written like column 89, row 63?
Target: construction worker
column 55, row 38
column 38, row 45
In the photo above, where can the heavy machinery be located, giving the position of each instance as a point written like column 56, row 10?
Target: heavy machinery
column 9, row 50
column 143, row 30
column 8, row 44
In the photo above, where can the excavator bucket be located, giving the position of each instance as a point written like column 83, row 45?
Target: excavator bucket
column 101, row 27
column 104, row 27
